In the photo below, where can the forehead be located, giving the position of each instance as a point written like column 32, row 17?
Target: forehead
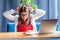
column 24, row 12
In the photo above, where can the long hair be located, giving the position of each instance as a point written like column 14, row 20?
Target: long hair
column 20, row 20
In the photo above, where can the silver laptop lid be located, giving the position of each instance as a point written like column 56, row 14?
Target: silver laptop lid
column 48, row 26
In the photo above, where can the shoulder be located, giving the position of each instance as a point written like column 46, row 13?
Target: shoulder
column 31, row 15
column 16, row 16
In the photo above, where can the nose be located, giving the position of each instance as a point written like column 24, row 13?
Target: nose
column 24, row 16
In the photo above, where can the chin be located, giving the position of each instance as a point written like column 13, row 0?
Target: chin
column 24, row 20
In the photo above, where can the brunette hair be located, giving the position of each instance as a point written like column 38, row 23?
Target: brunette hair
column 20, row 20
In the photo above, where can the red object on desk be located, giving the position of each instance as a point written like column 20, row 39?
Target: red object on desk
column 23, row 28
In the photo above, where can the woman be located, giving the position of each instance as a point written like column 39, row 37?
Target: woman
column 24, row 21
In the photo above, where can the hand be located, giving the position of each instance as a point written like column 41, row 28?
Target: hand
column 30, row 8
column 17, row 9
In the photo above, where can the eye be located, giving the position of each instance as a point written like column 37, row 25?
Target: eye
column 24, row 14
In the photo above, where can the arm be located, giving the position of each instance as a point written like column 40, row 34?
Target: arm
column 8, row 15
column 39, row 13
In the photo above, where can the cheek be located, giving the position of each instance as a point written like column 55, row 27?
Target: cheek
column 22, row 17
column 27, row 16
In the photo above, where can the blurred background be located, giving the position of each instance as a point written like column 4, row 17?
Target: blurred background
column 50, row 6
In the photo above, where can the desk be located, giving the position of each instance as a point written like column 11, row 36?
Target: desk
column 20, row 35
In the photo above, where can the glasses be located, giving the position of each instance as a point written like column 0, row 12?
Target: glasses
column 24, row 14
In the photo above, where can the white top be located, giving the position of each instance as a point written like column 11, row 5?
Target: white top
column 39, row 13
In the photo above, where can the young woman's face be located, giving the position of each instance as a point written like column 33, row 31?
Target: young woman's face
column 24, row 15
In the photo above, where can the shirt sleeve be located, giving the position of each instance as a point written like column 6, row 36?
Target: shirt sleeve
column 8, row 15
column 39, row 13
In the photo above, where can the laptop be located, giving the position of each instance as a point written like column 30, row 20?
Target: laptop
column 48, row 26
